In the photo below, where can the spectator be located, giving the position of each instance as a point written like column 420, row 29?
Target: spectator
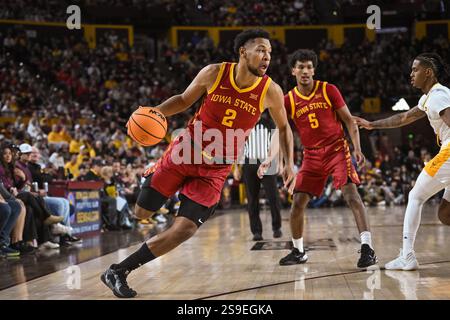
column 57, row 205
column 19, row 232
column 8, row 218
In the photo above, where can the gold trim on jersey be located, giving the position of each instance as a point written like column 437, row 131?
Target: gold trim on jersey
column 325, row 94
column 263, row 94
column 433, row 166
column 218, row 78
column 253, row 86
column 291, row 99
column 311, row 95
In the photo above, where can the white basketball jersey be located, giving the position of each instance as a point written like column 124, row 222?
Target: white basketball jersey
column 437, row 100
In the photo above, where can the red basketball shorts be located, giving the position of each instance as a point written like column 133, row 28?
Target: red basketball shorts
column 201, row 183
column 318, row 164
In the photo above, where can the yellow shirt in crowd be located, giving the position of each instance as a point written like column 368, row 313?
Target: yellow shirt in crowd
column 55, row 137
column 73, row 168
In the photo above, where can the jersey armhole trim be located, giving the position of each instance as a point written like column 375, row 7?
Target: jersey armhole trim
column 325, row 94
column 263, row 95
column 218, row 78
column 291, row 99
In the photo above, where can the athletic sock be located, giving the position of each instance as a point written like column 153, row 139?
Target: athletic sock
column 408, row 243
column 298, row 243
column 137, row 259
column 366, row 238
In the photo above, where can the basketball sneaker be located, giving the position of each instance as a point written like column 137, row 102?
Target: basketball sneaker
column 401, row 263
column 368, row 256
column 295, row 257
column 257, row 237
column 116, row 280
column 277, row 233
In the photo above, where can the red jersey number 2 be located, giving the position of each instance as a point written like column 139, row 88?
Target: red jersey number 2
column 230, row 115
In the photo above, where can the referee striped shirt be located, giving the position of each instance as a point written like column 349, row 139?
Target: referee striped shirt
column 258, row 143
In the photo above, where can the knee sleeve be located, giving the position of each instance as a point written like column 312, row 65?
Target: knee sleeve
column 149, row 198
column 425, row 187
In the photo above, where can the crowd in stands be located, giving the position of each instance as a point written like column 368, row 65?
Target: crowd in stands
column 91, row 93
column 211, row 12
column 227, row 13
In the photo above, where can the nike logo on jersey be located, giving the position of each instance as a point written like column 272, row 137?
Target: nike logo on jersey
column 200, row 220
column 224, row 88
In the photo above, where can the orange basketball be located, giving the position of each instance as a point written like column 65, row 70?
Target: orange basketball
column 147, row 126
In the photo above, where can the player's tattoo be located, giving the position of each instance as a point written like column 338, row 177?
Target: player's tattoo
column 399, row 120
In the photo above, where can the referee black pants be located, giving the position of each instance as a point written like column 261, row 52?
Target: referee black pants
column 252, row 187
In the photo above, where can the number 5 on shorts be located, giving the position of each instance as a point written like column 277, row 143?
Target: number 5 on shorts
column 313, row 120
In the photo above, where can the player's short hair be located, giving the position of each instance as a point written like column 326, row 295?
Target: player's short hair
column 435, row 62
column 302, row 55
column 248, row 35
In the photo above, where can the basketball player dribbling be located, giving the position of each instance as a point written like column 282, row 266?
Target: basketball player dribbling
column 318, row 110
column 235, row 95
column 426, row 70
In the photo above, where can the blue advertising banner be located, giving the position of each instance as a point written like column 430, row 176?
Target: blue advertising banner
column 87, row 210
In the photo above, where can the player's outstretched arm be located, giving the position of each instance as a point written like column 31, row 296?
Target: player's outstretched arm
column 198, row 87
column 399, row 120
column 275, row 103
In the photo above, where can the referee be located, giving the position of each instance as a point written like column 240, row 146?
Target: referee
column 255, row 152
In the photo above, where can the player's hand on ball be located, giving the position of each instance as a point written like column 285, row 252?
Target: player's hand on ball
column 360, row 159
column 362, row 123
column 289, row 179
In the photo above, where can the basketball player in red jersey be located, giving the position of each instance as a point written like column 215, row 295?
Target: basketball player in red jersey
column 235, row 95
column 318, row 110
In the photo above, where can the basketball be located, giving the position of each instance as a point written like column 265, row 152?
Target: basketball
column 147, row 126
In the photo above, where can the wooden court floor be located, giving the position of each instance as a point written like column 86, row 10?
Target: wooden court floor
column 219, row 263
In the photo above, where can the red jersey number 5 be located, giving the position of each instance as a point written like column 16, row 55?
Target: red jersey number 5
column 313, row 120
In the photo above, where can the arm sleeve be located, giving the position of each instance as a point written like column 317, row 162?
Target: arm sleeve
column 335, row 96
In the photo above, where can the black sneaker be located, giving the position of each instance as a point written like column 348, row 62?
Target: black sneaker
column 277, row 233
column 9, row 252
column 367, row 258
column 23, row 247
column 71, row 239
column 257, row 237
column 116, row 280
column 295, row 257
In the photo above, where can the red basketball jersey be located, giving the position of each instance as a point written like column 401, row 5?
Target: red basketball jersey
column 229, row 108
column 315, row 115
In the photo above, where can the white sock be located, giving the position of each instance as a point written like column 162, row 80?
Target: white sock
column 298, row 243
column 366, row 238
column 408, row 243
